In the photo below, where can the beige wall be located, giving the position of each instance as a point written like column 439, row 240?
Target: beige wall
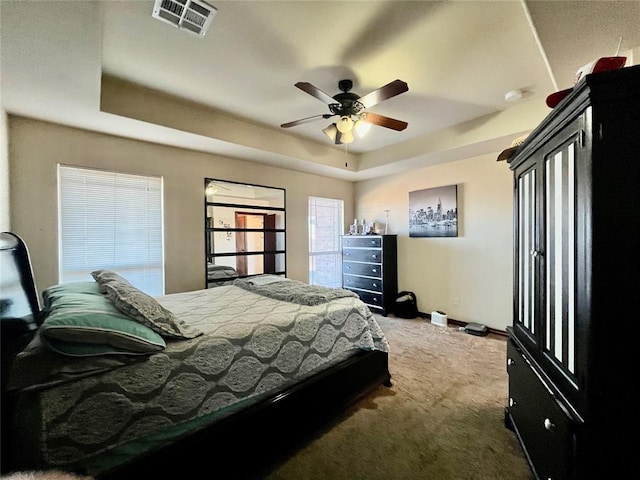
column 476, row 267
column 37, row 147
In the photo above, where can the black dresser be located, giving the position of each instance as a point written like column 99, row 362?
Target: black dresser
column 369, row 268
column 571, row 350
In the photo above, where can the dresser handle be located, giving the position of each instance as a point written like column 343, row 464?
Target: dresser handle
column 375, row 284
column 374, row 256
column 510, row 361
column 549, row 425
column 512, row 402
column 374, row 270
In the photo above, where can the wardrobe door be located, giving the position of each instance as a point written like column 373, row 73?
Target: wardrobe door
column 566, row 244
column 528, row 253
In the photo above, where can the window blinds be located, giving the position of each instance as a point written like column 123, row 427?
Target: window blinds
column 110, row 221
column 325, row 227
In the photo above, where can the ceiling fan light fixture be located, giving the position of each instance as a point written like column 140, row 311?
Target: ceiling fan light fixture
column 346, row 137
column 331, row 131
column 362, row 127
column 345, row 124
column 211, row 189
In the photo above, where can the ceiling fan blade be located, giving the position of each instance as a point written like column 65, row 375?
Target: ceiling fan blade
column 305, row 120
column 387, row 122
column 315, row 92
column 389, row 90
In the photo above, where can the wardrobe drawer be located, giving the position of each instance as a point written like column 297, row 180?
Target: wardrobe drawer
column 371, row 299
column 362, row 242
column 544, row 427
column 351, row 281
column 368, row 269
column 362, row 255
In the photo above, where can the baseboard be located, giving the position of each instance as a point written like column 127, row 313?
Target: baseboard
column 460, row 323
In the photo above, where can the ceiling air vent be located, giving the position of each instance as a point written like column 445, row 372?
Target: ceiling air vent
column 190, row 15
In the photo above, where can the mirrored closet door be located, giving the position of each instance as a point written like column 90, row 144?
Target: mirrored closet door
column 245, row 231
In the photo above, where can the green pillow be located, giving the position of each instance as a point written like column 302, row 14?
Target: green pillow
column 142, row 307
column 54, row 292
column 77, row 349
column 81, row 323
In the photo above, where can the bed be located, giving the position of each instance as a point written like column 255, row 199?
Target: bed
column 241, row 371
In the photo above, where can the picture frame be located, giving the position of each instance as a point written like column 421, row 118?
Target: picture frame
column 433, row 212
column 368, row 228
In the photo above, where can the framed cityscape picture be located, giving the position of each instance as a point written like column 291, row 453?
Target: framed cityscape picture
column 433, row 212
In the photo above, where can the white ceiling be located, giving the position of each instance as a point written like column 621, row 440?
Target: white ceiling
column 459, row 59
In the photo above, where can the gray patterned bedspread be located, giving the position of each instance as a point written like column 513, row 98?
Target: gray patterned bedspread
column 252, row 345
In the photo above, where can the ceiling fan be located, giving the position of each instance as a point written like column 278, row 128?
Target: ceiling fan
column 352, row 109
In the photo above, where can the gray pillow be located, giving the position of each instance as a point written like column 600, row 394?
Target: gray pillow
column 142, row 307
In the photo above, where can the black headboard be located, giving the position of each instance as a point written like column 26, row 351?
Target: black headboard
column 19, row 301
column 19, row 304
column 19, row 316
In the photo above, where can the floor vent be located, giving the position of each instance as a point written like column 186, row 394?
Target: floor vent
column 190, row 15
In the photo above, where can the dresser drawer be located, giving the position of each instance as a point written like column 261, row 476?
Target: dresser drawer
column 371, row 299
column 362, row 255
column 544, row 427
column 365, row 283
column 368, row 269
column 375, row 242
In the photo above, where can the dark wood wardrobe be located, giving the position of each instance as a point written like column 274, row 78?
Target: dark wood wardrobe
column 571, row 355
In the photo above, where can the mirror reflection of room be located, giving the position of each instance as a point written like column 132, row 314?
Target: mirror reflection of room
column 245, row 231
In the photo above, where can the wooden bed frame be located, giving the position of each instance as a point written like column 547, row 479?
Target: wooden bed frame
column 254, row 438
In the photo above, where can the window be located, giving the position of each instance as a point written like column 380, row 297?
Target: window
column 325, row 227
column 112, row 221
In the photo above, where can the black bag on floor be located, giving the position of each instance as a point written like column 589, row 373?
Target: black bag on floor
column 406, row 305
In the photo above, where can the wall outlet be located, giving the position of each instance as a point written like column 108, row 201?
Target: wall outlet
column 455, row 301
